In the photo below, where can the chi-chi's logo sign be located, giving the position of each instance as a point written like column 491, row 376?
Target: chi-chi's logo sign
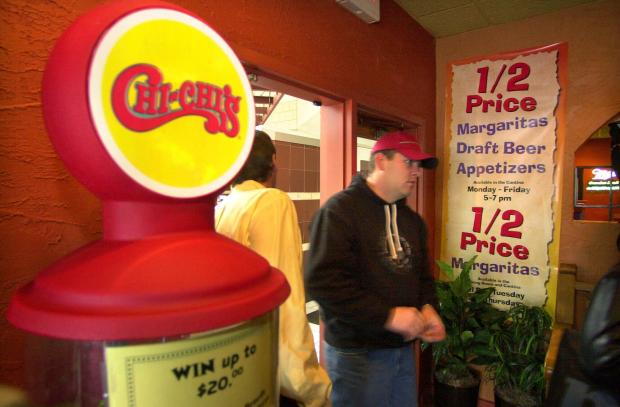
column 157, row 103
column 161, row 83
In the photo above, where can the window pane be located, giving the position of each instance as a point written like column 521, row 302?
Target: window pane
column 597, row 191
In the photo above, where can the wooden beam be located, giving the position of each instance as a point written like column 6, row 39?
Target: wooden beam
column 271, row 108
column 263, row 100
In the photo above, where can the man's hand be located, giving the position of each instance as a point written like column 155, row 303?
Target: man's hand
column 406, row 321
column 434, row 330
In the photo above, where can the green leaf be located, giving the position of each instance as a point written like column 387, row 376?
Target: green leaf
column 483, row 294
column 469, row 263
column 472, row 323
column 446, row 268
column 467, row 336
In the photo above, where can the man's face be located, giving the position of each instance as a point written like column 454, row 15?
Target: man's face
column 401, row 174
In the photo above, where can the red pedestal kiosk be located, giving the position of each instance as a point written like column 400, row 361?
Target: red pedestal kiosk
column 152, row 111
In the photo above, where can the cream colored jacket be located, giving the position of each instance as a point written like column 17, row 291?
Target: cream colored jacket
column 265, row 220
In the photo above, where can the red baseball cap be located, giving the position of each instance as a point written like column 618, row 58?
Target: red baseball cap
column 407, row 145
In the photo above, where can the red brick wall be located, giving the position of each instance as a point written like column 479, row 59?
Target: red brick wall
column 298, row 171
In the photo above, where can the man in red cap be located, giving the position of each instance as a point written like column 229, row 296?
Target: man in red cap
column 368, row 269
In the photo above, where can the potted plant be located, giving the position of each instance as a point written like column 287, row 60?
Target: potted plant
column 470, row 322
column 521, row 347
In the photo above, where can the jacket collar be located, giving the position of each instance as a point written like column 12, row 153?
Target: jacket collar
column 248, row 185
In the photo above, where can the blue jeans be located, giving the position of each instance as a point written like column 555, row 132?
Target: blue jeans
column 372, row 377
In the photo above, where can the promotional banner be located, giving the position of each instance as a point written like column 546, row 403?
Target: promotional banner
column 504, row 125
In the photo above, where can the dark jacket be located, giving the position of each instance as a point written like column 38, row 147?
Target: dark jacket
column 354, row 275
column 600, row 335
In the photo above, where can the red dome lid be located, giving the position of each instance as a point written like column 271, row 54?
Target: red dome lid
column 156, row 287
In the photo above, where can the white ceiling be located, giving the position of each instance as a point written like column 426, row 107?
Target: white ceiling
column 443, row 18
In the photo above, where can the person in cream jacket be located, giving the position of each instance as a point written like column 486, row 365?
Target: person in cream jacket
column 264, row 219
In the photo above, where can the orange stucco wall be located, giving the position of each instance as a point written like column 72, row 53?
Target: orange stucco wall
column 594, row 152
column 45, row 214
column 593, row 98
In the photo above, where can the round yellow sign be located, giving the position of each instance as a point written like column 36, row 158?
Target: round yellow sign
column 171, row 103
